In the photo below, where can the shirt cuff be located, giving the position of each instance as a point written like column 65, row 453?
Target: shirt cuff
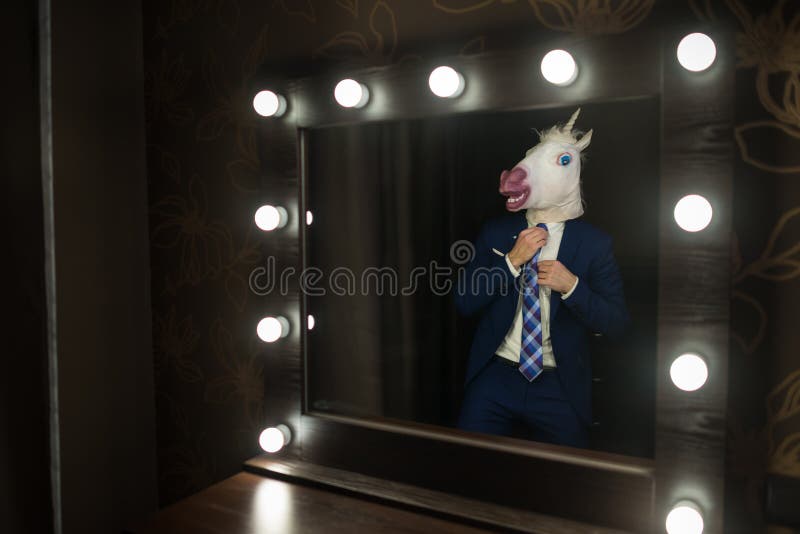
column 566, row 295
column 511, row 267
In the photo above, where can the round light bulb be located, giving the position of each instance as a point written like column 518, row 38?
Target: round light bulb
column 446, row 82
column 271, row 329
column 269, row 104
column 274, row 438
column 309, row 218
column 696, row 52
column 269, row 217
column 693, row 213
column 310, row 322
column 351, row 94
column 688, row 372
column 684, row 518
column 559, row 67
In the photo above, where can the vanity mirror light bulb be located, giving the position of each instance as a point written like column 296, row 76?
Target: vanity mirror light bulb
column 351, row 94
column 311, row 322
column 693, row 213
column 269, row 104
column 271, row 329
column 559, row 67
column 688, row 372
column 269, row 218
column 696, row 52
column 446, row 82
column 309, row 218
column 274, row 438
column 685, row 518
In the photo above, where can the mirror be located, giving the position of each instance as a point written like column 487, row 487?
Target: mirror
column 396, row 207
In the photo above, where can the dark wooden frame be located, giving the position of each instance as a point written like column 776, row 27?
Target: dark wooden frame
column 589, row 486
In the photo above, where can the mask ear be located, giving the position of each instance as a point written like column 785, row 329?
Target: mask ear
column 584, row 141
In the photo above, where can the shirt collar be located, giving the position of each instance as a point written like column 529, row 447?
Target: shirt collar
column 551, row 226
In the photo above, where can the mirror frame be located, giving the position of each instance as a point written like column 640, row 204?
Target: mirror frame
column 696, row 154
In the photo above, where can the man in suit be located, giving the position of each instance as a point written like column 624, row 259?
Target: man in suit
column 543, row 281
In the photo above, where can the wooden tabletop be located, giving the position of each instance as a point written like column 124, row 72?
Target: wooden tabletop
column 248, row 503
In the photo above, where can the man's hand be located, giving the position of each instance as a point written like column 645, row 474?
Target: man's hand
column 554, row 275
column 529, row 241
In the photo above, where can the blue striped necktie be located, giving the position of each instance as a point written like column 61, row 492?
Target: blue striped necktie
column 530, row 357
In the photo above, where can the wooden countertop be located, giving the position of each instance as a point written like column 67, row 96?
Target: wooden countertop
column 249, row 503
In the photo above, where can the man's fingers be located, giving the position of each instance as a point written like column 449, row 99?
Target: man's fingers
column 533, row 238
column 534, row 232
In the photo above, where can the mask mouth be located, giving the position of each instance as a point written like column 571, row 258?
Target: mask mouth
column 513, row 184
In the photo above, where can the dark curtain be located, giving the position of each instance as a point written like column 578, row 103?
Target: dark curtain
column 26, row 503
column 399, row 195
column 382, row 197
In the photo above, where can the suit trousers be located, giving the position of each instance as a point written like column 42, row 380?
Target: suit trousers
column 501, row 401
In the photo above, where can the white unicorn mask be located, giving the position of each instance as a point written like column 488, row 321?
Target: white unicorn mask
column 547, row 182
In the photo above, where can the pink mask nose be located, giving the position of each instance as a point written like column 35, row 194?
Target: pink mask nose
column 512, row 179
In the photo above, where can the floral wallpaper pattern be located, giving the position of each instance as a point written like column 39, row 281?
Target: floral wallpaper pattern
column 204, row 168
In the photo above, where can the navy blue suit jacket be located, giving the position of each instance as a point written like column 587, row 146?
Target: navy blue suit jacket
column 597, row 305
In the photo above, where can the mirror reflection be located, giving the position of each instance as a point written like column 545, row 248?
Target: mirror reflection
column 490, row 272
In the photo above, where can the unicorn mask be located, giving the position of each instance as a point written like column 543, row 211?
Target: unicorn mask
column 547, row 182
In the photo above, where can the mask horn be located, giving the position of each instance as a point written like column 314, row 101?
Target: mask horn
column 568, row 127
column 584, row 141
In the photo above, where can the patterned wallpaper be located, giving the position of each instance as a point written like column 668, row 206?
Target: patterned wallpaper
column 203, row 171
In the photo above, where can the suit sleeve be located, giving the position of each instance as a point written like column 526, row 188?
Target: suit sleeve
column 485, row 278
column 598, row 300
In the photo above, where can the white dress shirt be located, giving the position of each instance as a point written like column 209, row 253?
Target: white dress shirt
column 512, row 344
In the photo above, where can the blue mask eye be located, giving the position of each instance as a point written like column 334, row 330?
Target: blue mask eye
column 564, row 159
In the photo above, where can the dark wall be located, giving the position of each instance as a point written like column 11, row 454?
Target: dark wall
column 203, row 161
column 105, row 366
column 24, row 451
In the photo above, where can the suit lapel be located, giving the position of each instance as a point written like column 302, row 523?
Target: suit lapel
column 520, row 223
column 512, row 231
column 570, row 240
